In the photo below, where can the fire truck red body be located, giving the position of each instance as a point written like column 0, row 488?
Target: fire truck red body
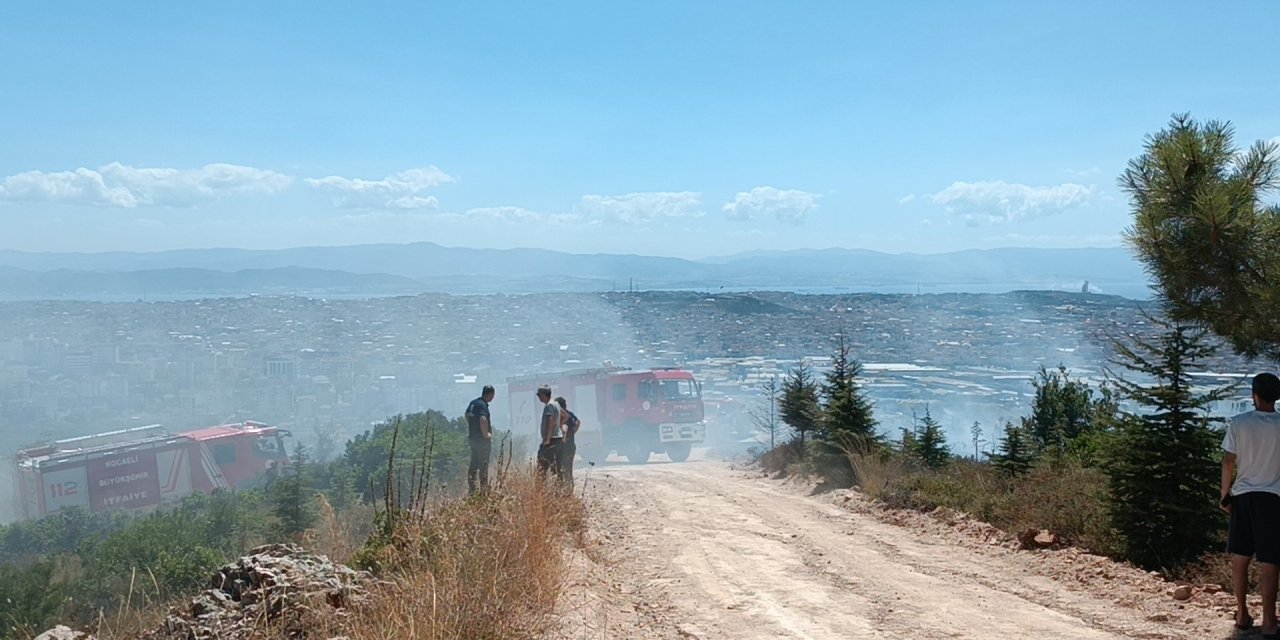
column 632, row 412
column 143, row 467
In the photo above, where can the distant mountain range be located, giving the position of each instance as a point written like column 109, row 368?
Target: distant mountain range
column 406, row 269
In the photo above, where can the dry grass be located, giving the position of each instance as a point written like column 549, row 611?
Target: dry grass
column 1068, row 499
column 137, row 612
column 779, row 460
column 340, row 534
column 873, row 471
column 490, row 566
column 1214, row 568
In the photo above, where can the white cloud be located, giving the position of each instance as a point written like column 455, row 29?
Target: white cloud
column 1084, row 173
column 907, row 198
column 997, row 202
column 639, row 208
column 519, row 215
column 119, row 185
column 402, row 190
column 790, row 205
column 413, row 202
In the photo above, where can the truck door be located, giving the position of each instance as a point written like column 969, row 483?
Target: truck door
column 621, row 394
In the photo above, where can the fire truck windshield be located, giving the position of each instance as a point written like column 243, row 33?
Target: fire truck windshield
column 679, row 390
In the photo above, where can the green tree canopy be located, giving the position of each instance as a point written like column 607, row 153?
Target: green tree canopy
column 930, row 442
column 292, row 496
column 422, row 442
column 846, row 418
column 1065, row 411
column 1164, row 467
column 1015, row 455
column 1204, row 233
column 799, row 405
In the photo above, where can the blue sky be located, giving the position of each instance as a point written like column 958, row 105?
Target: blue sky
column 667, row 128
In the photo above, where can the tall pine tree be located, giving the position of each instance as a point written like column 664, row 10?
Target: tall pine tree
column 799, row 403
column 1015, row 454
column 292, row 497
column 765, row 415
column 1203, row 228
column 1164, row 472
column 931, row 443
column 847, row 419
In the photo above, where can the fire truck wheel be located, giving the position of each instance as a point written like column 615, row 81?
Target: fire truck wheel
column 679, row 451
column 637, row 454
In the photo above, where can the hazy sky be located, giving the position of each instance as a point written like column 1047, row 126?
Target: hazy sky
column 671, row 128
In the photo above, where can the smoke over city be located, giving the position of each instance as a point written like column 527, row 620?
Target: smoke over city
column 335, row 367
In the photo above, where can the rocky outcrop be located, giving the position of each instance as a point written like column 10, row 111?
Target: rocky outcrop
column 61, row 632
column 280, row 585
column 1038, row 539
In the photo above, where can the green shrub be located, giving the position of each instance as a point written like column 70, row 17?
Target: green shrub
column 779, row 459
column 32, row 598
column 976, row 489
column 1067, row 498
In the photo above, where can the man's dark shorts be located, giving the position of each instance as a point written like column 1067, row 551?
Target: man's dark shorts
column 549, row 455
column 1255, row 526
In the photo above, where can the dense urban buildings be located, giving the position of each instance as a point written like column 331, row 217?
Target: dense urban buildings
column 333, row 366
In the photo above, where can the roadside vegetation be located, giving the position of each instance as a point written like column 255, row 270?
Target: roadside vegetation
column 451, row 566
column 1139, row 484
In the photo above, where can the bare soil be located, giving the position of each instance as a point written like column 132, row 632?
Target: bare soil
column 702, row 550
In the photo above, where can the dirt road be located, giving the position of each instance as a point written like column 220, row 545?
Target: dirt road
column 701, row 550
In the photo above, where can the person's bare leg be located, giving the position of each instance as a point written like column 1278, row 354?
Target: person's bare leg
column 1269, row 573
column 1240, row 585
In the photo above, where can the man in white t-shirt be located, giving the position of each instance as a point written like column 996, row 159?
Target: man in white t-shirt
column 1251, row 494
column 552, row 433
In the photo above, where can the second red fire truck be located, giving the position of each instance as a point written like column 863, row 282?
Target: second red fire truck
column 633, row 412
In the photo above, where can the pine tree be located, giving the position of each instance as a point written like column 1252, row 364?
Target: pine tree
column 907, row 444
column 799, row 404
column 1059, row 411
column 847, row 419
column 292, row 496
column 1063, row 411
column 931, row 442
column 1164, row 473
column 765, row 414
column 975, row 432
column 1015, row 455
column 1201, row 228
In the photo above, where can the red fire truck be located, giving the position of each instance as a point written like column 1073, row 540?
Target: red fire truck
column 143, row 467
column 634, row 413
